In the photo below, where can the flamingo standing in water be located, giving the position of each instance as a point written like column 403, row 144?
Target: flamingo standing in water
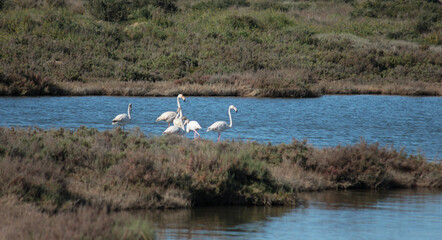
column 192, row 126
column 178, row 125
column 123, row 119
column 170, row 115
column 221, row 126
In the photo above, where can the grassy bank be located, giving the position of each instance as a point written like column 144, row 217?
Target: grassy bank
column 220, row 47
column 60, row 169
column 58, row 184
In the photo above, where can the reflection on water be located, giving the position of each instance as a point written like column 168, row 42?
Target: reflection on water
column 399, row 214
column 410, row 122
column 219, row 222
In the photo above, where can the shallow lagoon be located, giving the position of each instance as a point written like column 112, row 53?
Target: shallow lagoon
column 413, row 123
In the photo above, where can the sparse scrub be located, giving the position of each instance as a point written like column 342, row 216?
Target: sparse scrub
column 109, row 10
column 161, row 41
column 27, row 85
column 72, row 180
column 58, row 169
column 220, row 4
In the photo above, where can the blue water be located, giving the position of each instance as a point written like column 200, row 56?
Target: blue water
column 399, row 214
column 413, row 123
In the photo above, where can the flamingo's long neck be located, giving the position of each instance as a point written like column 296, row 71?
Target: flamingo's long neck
column 180, row 114
column 230, row 116
column 128, row 112
column 178, row 102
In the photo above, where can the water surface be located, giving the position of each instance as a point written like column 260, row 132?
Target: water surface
column 399, row 214
column 413, row 123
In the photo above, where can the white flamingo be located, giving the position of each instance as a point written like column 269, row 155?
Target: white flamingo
column 178, row 125
column 123, row 119
column 192, row 126
column 178, row 120
column 174, row 130
column 221, row 126
column 170, row 115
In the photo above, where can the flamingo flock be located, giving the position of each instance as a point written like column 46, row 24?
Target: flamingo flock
column 180, row 123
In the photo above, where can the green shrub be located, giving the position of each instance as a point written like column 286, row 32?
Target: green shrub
column 166, row 5
column 278, row 21
column 263, row 5
column 25, row 84
column 109, row 10
column 248, row 22
column 220, row 4
column 33, row 3
column 138, row 74
column 56, row 3
column 423, row 25
column 403, row 9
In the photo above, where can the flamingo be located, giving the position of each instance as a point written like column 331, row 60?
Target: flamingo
column 221, row 126
column 174, row 130
column 123, row 119
column 170, row 115
column 178, row 125
column 192, row 126
column 179, row 118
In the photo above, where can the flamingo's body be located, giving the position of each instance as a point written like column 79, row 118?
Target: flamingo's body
column 193, row 126
column 174, row 130
column 169, row 116
column 178, row 120
column 123, row 119
column 178, row 125
column 221, row 126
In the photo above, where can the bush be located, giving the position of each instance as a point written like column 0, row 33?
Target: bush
column 244, row 22
column 27, row 85
column 109, row 10
column 423, row 25
column 220, row 4
column 166, row 5
column 32, row 3
column 263, row 5
column 138, row 74
column 403, row 9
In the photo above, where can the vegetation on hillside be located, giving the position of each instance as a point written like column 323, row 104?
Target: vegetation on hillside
column 64, row 183
column 221, row 47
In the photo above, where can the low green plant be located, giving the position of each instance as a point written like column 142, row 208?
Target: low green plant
column 220, row 4
column 109, row 10
column 84, row 54
column 64, row 169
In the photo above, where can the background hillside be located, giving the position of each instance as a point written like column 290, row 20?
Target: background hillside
column 220, row 47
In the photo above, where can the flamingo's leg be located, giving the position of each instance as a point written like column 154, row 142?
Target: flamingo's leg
column 219, row 136
column 198, row 134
